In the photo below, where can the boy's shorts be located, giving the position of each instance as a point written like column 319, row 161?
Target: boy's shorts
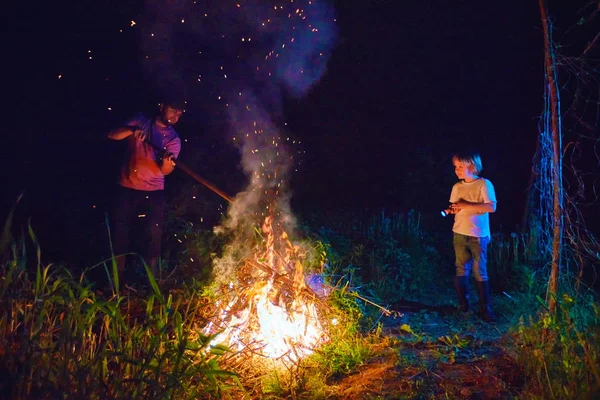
column 471, row 256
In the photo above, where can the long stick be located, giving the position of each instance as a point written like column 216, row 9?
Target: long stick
column 191, row 173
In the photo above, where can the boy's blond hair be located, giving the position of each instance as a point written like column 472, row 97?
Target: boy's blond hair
column 472, row 159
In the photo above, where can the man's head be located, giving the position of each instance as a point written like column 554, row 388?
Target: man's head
column 170, row 110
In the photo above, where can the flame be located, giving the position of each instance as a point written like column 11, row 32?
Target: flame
column 270, row 311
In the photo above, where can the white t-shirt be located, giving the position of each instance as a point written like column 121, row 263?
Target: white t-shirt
column 141, row 170
column 467, row 222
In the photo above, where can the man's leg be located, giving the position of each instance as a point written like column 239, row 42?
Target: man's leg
column 122, row 218
column 155, row 204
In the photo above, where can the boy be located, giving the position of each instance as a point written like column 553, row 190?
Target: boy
column 472, row 199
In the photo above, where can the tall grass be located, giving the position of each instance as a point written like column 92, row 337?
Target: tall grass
column 388, row 257
column 59, row 339
column 560, row 352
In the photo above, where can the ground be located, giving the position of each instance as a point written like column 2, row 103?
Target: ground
column 438, row 354
column 431, row 352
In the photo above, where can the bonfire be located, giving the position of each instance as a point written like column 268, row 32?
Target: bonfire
column 267, row 310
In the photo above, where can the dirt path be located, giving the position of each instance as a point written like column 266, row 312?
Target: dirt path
column 437, row 354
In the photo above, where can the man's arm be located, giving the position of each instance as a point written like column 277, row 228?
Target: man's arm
column 172, row 150
column 124, row 132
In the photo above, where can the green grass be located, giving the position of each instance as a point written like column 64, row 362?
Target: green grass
column 60, row 339
column 561, row 352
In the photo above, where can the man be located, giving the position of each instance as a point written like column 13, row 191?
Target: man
column 153, row 145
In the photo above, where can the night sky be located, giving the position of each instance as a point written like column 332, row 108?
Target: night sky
column 402, row 86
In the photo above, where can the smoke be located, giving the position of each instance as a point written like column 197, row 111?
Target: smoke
column 269, row 47
column 246, row 57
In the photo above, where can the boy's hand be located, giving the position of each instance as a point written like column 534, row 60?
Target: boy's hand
column 455, row 208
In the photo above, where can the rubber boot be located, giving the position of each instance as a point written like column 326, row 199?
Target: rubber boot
column 485, row 308
column 461, row 284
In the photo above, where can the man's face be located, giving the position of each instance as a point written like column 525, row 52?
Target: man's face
column 170, row 115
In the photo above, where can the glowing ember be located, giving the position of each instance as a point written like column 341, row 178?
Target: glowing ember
column 270, row 311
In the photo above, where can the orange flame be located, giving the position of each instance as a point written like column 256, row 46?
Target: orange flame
column 270, row 311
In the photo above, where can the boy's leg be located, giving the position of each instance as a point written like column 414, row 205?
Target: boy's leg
column 463, row 268
column 478, row 248
column 462, row 254
column 485, row 306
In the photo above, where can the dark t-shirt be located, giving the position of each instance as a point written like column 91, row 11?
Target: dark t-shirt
column 141, row 169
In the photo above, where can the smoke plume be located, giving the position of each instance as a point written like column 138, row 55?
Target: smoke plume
column 245, row 56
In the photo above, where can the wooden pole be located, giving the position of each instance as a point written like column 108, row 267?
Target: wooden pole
column 191, row 173
column 556, row 161
column 202, row 181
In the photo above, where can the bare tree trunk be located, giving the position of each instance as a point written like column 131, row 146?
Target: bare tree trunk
column 556, row 162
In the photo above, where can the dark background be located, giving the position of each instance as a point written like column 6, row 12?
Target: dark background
column 408, row 84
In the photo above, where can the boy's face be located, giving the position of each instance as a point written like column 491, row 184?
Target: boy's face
column 463, row 171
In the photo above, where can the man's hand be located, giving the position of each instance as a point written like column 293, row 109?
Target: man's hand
column 139, row 133
column 167, row 164
column 169, row 158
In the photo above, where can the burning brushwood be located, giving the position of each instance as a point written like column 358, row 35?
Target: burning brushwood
column 269, row 310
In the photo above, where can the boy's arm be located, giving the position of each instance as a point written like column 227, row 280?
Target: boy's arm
column 476, row 207
column 488, row 205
